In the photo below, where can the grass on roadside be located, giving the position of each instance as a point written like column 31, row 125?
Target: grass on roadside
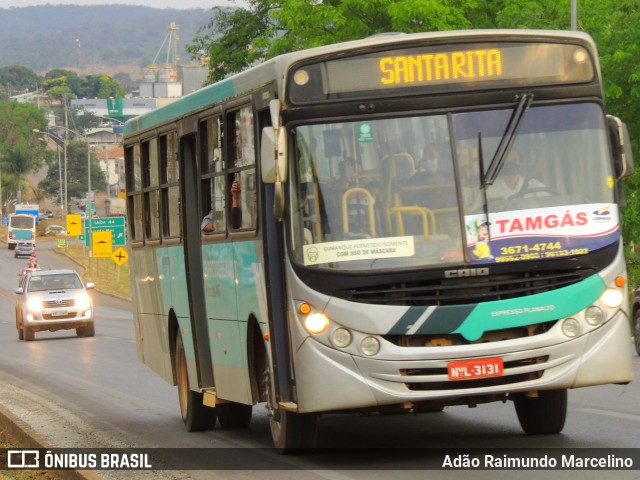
column 7, row 441
column 104, row 272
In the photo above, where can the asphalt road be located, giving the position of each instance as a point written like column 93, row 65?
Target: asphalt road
column 93, row 393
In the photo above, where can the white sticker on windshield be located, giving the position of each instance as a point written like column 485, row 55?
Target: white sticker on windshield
column 366, row 249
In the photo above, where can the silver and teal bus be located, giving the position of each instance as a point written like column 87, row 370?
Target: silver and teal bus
column 424, row 221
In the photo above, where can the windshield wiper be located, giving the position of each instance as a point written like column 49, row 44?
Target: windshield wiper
column 483, row 184
column 507, row 140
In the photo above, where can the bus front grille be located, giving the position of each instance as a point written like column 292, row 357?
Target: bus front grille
column 461, row 291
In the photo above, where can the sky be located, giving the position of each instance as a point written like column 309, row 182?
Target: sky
column 176, row 4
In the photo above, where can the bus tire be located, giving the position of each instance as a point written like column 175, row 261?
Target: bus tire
column 195, row 415
column 234, row 415
column 544, row 414
column 293, row 432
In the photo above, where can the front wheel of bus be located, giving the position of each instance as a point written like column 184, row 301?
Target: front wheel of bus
column 291, row 432
column 544, row 414
column 195, row 415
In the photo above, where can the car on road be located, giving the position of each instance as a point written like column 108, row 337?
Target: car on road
column 636, row 320
column 45, row 214
column 51, row 300
column 24, row 249
column 55, row 230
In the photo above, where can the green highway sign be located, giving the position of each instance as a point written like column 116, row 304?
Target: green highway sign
column 114, row 224
column 105, row 222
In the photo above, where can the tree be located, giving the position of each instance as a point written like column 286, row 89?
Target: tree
column 77, row 173
column 235, row 39
column 100, row 86
column 21, row 151
column 59, row 83
column 17, row 78
column 67, row 78
column 57, row 88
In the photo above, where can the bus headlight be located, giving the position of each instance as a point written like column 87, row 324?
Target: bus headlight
column 316, row 323
column 594, row 315
column 370, row 346
column 612, row 298
column 341, row 337
column 571, row 327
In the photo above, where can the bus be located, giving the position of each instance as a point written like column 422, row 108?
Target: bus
column 363, row 275
column 21, row 228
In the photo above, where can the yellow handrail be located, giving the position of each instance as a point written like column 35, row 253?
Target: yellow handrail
column 370, row 206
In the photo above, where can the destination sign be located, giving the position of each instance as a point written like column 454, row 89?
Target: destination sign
column 442, row 68
column 464, row 65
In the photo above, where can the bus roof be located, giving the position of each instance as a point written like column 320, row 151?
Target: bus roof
column 276, row 69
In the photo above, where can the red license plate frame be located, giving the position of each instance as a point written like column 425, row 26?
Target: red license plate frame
column 475, row 368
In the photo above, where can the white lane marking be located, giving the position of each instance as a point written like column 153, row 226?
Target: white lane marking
column 609, row 413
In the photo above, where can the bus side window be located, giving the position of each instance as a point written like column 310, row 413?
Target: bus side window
column 212, row 177
column 242, row 169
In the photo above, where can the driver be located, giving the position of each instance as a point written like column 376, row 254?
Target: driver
column 512, row 179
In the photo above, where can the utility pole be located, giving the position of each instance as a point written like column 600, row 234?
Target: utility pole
column 66, row 136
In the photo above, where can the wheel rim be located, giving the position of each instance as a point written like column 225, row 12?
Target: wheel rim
column 272, row 412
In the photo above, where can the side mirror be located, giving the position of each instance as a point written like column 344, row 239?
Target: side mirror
column 268, row 155
column 90, row 285
column 19, row 291
column 621, row 147
column 273, row 148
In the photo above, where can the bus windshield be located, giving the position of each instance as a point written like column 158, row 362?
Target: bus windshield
column 414, row 192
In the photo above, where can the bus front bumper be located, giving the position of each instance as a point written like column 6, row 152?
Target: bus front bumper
column 328, row 379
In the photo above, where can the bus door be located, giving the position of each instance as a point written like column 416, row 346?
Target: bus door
column 193, row 259
column 224, row 216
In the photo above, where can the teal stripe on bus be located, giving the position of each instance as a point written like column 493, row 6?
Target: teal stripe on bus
column 472, row 321
column 409, row 318
column 180, row 108
column 445, row 319
column 531, row 310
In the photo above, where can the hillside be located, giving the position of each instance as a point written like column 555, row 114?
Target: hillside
column 93, row 39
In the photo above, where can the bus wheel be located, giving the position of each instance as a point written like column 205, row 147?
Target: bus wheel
column 544, row 414
column 195, row 415
column 234, row 415
column 291, row 432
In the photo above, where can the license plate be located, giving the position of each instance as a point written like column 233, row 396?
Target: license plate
column 475, row 368
column 59, row 313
